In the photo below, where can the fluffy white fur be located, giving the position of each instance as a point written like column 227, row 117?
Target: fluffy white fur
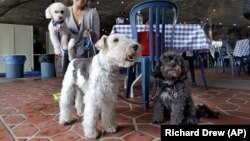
column 58, row 12
column 95, row 85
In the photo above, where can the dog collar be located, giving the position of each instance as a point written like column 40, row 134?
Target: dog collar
column 112, row 74
column 164, row 86
column 55, row 23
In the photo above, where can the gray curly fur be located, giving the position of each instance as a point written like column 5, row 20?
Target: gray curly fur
column 172, row 99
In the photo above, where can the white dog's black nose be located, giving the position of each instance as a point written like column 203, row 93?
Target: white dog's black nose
column 135, row 47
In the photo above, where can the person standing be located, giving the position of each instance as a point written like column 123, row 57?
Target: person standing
column 83, row 22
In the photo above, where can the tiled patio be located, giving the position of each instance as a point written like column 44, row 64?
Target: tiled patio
column 28, row 112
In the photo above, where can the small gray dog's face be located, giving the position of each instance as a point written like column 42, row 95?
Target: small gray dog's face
column 170, row 67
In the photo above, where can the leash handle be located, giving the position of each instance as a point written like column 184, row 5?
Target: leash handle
column 89, row 43
column 90, row 39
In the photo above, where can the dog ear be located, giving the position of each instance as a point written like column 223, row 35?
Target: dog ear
column 102, row 43
column 48, row 14
column 157, row 70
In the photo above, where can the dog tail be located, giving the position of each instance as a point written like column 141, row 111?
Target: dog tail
column 71, row 49
column 203, row 110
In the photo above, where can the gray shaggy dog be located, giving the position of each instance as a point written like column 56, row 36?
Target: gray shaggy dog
column 172, row 98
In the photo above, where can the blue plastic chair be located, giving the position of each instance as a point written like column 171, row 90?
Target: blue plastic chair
column 224, row 54
column 157, row 11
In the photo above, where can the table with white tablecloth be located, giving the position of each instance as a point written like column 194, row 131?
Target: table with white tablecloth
column 241, row 48
column 187, row 37
column 241, row 53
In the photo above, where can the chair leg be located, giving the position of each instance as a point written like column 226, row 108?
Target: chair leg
column 240, row 66
column 125, row 82
column 202, row 71
column 231, row 67
column 191, row 68
column 145, row 68
column 218, row 65
column 130, row 79
column 223, row 65
column 132, row 86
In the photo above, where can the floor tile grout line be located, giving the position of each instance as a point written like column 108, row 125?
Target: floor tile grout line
column 147, row 134
column 239, row 116
column 133, row 119
column 225, row 112
column 81, row 136
column 43, row 137
column 12, row 134
column 38, row 130
column 27, row 123
column 131, row 132
column 157, row 139
column 135, row 124
column 111, row 138
column 130, row 106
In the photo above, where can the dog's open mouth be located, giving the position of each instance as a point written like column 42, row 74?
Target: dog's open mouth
column 131, row 58
column 172, row 73
column 172, row 70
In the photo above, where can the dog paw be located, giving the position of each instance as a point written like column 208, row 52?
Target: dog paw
column 64, row 122
column 177, row 122
column 157, row 120
column 191, row 122
column 80, row 114
column 111, row 129
column 91, row 135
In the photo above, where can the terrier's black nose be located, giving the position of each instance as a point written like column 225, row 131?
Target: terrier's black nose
column 135, row 47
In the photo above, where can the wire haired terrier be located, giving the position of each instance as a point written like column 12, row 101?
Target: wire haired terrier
column 93, row 83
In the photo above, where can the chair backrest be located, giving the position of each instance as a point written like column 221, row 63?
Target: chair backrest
column 158, row 12
column 224, row 49
column 202, row 25
column 249, row 46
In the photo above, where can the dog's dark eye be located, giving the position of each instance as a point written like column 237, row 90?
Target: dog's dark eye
column 62, row 12
column 56, row 11
column 116, row 40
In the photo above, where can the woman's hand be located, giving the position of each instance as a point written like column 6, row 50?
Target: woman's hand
column 89, row 32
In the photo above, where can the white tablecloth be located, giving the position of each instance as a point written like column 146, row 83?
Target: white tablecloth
column 187, row 36
column 241, row 48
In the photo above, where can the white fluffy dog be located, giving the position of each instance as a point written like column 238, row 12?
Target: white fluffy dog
column 58, row 30
column 93, row 82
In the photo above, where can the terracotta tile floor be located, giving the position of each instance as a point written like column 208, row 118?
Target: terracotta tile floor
column 28, row 112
